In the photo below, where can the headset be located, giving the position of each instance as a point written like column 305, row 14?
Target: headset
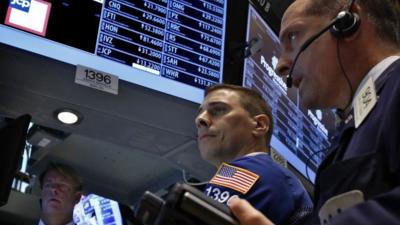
column 343, row 25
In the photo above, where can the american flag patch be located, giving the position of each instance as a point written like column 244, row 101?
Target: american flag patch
column 235, row 178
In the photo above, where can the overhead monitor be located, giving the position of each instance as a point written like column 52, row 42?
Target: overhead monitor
column 300, row 135
column 172, row 46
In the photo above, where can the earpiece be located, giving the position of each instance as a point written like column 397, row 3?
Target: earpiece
column 346, row 24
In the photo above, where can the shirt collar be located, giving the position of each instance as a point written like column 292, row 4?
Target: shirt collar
column 255, row 153
column 376, row 71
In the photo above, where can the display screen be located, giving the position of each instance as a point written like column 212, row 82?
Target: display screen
column 173, row 46
column 300, row 135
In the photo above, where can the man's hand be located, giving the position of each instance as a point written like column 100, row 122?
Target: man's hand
column 247, row 214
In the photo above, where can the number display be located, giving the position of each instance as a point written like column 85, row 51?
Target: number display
column 178, row 40
column 96, row 79
column 93, row 75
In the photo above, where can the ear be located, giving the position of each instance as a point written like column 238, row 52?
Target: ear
column 261, row 125
column 78, row 195
column 356, row 9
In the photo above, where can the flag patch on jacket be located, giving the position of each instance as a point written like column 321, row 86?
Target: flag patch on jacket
column 235, row 178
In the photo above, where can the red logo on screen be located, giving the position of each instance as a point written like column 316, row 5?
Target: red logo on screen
column 33, row 19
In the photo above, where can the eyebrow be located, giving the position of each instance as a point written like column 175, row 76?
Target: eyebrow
column 210, row 104
column 199, row 110
column 282, row 35
column 295, row 25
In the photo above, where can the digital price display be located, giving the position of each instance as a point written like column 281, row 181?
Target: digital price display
column 172, row 46
column 174, row 39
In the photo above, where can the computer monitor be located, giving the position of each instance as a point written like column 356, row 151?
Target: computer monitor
column 300, row 135
column 172, row 46
column 12, row 142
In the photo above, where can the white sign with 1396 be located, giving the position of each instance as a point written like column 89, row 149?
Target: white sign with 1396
column 96, row 79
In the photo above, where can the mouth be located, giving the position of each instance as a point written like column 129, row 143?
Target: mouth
column 54, row 200
column 205, row 136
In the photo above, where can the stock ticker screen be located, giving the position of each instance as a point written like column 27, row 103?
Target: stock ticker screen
column 177, row 40
column 169, row 38
column 300, row 135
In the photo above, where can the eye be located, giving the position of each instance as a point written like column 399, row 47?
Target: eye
column 292, row 37
column 63, row 187
column 217, row 110
column 47, row 185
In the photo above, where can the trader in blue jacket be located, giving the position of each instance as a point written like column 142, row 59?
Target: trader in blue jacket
column 234, row 131
column 350, row 62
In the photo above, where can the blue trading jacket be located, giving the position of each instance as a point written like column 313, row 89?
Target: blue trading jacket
column 277, row 193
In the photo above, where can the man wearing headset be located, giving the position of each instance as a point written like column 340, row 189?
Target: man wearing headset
column 349, row 62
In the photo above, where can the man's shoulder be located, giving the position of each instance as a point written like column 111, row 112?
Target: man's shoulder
column 253, row 160
column 391, row 76
column 262, row 164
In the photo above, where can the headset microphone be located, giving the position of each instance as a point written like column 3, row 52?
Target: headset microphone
column 304, row 46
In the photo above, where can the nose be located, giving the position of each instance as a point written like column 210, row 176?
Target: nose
column 202, row 120
column 283, row 66
column 53, row 190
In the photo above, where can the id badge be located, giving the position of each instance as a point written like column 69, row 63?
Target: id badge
column 364, row 102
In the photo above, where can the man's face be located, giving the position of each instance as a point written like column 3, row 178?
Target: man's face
column 317, row 73
column 224, row 127
column 58, row 193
